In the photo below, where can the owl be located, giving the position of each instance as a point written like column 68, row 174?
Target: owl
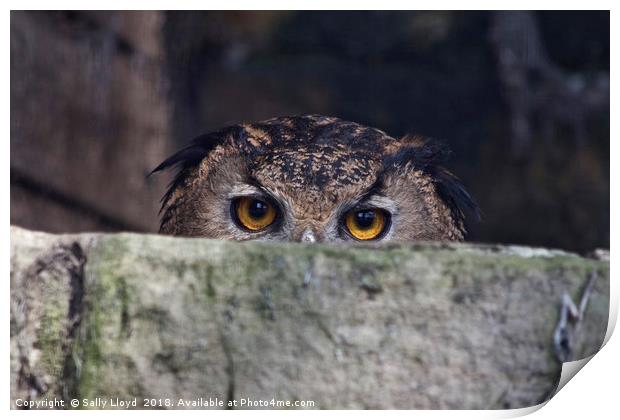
column 311, row 179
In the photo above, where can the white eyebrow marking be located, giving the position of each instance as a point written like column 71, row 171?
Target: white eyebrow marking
column 382, row 202
column 240, row 190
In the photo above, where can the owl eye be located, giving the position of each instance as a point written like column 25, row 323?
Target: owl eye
column 253, row 214
column 366, row 225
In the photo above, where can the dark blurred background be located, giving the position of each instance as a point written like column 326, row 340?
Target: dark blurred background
column 99, row 98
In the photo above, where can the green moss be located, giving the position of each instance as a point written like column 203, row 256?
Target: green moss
column 51, row 338
column 105, row 301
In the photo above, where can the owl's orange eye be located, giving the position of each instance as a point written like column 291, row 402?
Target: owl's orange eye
column 254, row 214
column 365, row 225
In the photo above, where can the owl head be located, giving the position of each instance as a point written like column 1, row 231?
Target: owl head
column 313, row 179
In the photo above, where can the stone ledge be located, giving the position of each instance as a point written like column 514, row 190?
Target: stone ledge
column 424, row 326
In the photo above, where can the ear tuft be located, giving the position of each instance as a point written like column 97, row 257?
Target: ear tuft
column 420, row 152
column 429, row 156
column 186, row 159
column 461, row 204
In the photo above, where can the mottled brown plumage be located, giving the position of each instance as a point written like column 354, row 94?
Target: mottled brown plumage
column 313, row 171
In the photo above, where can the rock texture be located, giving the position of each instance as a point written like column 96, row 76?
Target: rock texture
column 410, row 326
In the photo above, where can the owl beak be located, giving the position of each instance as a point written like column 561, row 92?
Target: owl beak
column 308, row 236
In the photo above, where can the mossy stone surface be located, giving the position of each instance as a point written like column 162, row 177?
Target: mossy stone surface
column 458, row 326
